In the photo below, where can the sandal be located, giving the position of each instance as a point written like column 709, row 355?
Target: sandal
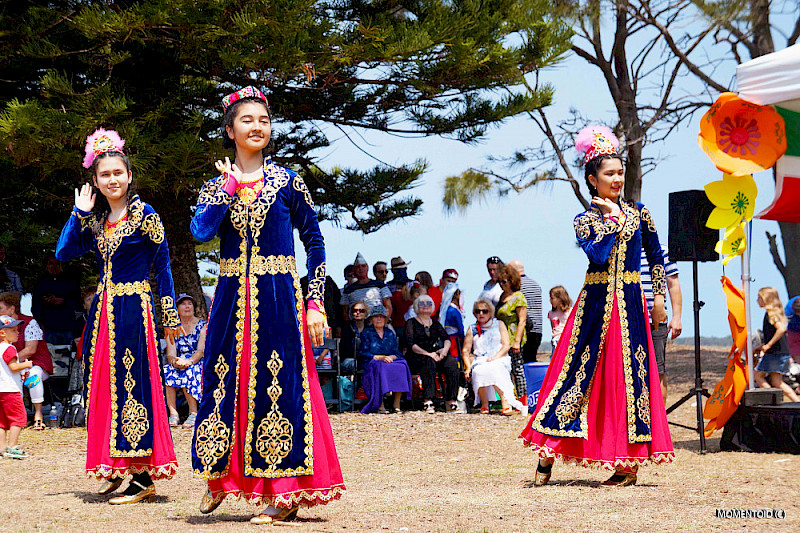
column 38, row 425
column 508, row 411
column 484, row 410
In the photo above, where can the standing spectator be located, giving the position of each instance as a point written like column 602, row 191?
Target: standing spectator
column 425, row 281
column 661, row 331
column 513, row 311
column 385, row 370
column 450, row 316
column 381, row 271
column 372, row 291
column 399, row 288
column 413, row 293
column 9, row 281
column 793, row 329
column 12, row 410
column 561, row 305
column 488, row 365
column 774, row 353
column 30, row 346
column 56, row 303
column 533, row 325
column 184, row 369
column 449, row 275
column 333, row 298
column 429, row 354
column 491, row 289
column 349, row 276
column 351, row 336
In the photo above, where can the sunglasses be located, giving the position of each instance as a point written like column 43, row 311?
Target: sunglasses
column 481, row 311
column 382, row 271
column 426, row 304
column 502, row 281
column 359, row 311
column 493, row 260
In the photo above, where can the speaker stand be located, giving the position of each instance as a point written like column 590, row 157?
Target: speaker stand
column 698, row 391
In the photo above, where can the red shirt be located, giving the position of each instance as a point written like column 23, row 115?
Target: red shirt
column 41, row 357
column 436, row 296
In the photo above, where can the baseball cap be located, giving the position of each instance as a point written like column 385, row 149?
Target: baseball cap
column 450, row 273
column 8, row 322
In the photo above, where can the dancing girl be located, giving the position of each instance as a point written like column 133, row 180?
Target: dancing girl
column 600, row 403
column 262, row 431
column 128, row 429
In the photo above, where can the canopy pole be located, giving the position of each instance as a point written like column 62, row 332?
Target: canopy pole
column 746, row 288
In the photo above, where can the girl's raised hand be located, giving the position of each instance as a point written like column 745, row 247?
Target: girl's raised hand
column 606, row 206
column 228, row 169
column 84, row 198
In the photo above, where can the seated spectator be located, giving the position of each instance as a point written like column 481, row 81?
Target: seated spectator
column 55, row 303
column 184, row 368
column 30, row 346
column 331, row 297
column 9, row 280
column 561, row 305
column 372, row 291
column 351, row 336
column 385, row 370
column 488, row 365
column 513, row 311
column 429, row 355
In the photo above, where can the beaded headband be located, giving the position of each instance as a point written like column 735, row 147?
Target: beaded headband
column 99, row 142
column 593, row 141
column 247, row 92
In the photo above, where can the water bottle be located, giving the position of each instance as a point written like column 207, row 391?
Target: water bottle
column 53, row 416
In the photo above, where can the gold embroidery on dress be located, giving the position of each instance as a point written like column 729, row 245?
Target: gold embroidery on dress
column 275, row 432
column 248, row 194
column 601, row 278
column 169, row 313
column 571, row 403
column 648, row 219
column 212, row 193
column 134, row 415
column 643, row 403
column 108, row 245
column 153, row 228
column 316, row 285
column 124, row 289
column 299, row 185
column 659, row 279
column 592, row 221
column 213, row 436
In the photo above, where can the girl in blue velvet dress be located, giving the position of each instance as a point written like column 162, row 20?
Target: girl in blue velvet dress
column 128, row 431
column 262, row 431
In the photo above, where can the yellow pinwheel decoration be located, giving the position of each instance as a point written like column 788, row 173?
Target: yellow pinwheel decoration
column 734, row 199
column 734, row 243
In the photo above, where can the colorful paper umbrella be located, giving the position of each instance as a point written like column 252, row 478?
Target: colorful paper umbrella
column 734, row 243
column 734, row 198
column 741, row 137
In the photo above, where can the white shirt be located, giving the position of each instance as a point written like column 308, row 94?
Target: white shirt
column 9, row 381
column 491, row 292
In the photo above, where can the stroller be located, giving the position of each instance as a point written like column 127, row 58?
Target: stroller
column 64, row 388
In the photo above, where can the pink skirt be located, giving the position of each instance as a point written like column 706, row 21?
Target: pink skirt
column 607, row 444
column 99, row 463
column 325, row 485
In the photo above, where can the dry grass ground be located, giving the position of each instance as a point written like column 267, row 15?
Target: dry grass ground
column 419, row 472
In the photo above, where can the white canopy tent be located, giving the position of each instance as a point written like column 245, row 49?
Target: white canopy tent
column 772, row 79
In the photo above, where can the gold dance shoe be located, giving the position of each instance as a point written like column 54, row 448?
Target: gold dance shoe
column 621, row 479
column 286, row 515
column 146, row 494
column 209, row 503
column 110, row 485
column 542, row 475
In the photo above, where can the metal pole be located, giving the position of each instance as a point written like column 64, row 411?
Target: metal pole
column 698, row 380
column 746, row 289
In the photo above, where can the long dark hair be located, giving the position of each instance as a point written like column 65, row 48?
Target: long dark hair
column 230, row 115
column 101, row 207
column 593, row 167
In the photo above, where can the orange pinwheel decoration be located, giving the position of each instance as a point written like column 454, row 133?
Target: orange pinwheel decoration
column 741, row 137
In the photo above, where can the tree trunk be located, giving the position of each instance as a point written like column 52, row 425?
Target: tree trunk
column 176, row 215
column 790, row 235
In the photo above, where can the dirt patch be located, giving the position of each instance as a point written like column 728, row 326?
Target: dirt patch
column 419, row 472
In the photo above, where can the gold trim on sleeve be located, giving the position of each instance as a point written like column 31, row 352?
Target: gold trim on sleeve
column 153, row 228
column 169, row 313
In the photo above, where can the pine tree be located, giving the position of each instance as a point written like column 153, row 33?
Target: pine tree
column 157, row 70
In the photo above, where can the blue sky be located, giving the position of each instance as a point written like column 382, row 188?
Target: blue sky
column 536, row 226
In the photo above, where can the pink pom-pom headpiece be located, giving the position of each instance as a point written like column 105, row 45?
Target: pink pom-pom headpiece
column 247, row 92
column 593, row 141
column 99, row 142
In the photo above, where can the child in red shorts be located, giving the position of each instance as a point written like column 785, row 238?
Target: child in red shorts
column 12, row 411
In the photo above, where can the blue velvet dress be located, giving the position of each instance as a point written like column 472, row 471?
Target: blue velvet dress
column 120, row 341
column 262, row 431
column 380, row 377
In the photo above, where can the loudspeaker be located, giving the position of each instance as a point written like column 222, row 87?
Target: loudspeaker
column 689, row 238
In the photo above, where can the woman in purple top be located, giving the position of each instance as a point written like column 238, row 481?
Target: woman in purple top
column 385, row 370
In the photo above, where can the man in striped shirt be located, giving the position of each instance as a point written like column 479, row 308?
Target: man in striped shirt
column 533, row 295
column 664, row 329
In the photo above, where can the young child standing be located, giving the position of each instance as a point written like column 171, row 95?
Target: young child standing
column 562, row 306
column 12, row 411
column 775, row 358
